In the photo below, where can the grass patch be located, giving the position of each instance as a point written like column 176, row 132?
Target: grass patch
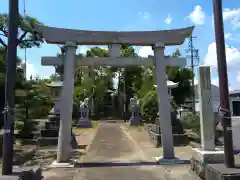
column 136, row 127
column 94, row 126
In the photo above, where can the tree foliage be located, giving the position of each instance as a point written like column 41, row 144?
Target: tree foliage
column 148, row 95
column 27, row 36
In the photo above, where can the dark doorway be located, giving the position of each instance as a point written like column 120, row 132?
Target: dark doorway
column 236, row 108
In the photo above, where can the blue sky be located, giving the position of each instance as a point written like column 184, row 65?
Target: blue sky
column 121, row 15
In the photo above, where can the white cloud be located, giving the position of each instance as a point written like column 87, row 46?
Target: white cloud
column 197, row 16
column 215, row 81
column 228, row 36
column 232, row 57
column 145, row 51
column 31, row 71
column 168, row 19
column 232, row 15
column 144, row 15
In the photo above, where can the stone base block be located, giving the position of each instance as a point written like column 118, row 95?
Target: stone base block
column 202, row 157
column 162, row 161
column 24, row 174
column 55, row 164
column 84, row 123
column 221, row 172
column 47, row 141
column 135, row 120
column 178, row 139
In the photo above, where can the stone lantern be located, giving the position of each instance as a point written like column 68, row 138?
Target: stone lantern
column 49, row 134
column 171, row 85
column 56, row 87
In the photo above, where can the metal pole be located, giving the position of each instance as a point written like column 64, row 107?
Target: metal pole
column 10, row 88
column 223, row 84
column 192, row 67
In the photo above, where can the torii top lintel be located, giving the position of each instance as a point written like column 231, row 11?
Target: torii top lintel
column 55, row 35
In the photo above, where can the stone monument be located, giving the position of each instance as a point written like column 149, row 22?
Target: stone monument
column 208, row 153
column 84, row 121
column 135, row 110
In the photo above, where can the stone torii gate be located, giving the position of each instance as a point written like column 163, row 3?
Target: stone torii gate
column 71, row 38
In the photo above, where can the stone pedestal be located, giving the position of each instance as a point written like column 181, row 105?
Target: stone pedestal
column 201, row 158
column 135, row 118
column 84, row 121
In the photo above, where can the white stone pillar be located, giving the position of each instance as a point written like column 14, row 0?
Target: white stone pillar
column 164, row 103
column 64, row 139
column 207, row 122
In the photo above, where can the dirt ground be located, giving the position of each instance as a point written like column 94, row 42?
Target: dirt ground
column 44, row 156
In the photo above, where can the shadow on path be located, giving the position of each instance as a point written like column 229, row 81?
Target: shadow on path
column 119, row 164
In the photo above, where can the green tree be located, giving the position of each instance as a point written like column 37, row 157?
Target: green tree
column 183, row 76
column 130, row 81
column 32, row 102
column 147, row 92
column 27, row 38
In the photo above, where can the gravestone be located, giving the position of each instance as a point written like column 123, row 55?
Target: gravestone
column 84, row 121
column 208, row 153
column 135, row 109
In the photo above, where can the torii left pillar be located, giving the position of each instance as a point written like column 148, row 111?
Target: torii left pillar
column 64, row 139
column 163, row 103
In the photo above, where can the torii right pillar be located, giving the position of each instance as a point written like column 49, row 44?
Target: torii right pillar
column 164, row 103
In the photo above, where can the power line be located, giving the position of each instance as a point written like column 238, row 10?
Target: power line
column 194, row 57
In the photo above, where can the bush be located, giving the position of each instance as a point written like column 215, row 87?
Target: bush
column 192, row 122
column 149, row 107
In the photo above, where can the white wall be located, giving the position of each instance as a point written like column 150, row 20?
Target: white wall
column 215, row 105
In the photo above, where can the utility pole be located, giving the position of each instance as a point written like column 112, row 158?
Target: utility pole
column 194, row 57
column 224, row 109
column 13, row 20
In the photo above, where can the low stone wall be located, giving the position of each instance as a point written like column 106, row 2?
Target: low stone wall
column 155, row 136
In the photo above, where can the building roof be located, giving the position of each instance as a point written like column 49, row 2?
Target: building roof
column 234, row 92
column 55, row 84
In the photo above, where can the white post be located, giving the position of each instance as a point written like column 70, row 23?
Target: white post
column 164, row 103
column 207, row 121
column 64, row 139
